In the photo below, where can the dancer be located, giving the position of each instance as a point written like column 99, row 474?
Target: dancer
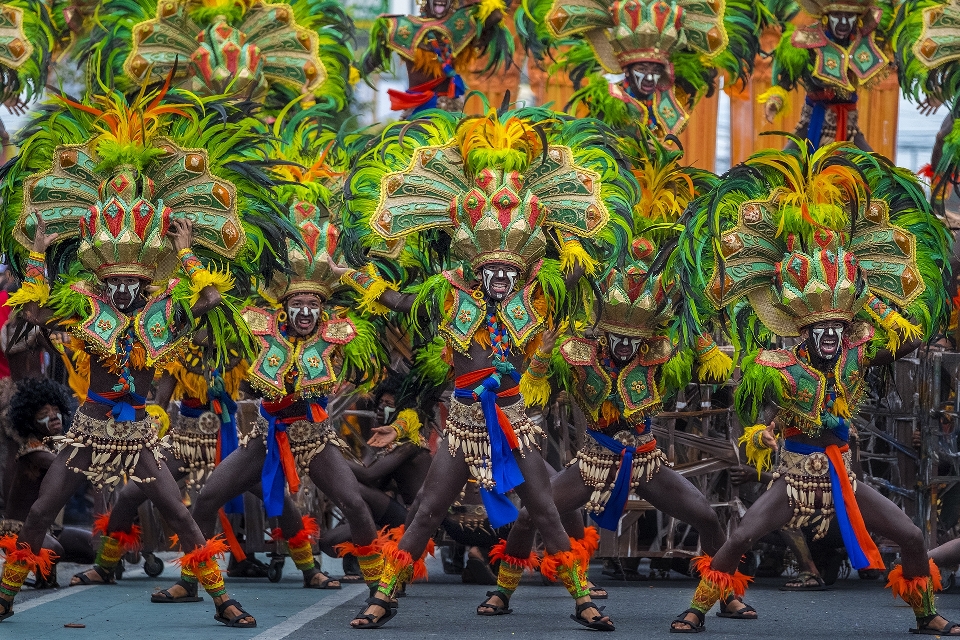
column 202, row 431
column 821, row 260
column 307, row 346
column 494, row 186
column 669, row 52
column 618, row 379
column 832, row 58
column 926, row 40
column 401, row 458
column 125, row 158
column 437, row 47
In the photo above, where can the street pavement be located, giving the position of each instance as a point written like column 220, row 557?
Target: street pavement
column 445, row 608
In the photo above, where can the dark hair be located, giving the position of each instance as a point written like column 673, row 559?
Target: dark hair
column 30, row 396
column 391, row 385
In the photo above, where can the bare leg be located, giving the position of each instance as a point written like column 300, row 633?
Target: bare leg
column 58, row 485
column 165, row 495
column 543, row 511
column 329, row 471
column 235, row 474
column 569, row 494
column 674, row 495
column 947, row 554
column 884, row 517
column 124, row 513
column 797, row 542
column 770, row 512
column 443, row 483
column 445, row 479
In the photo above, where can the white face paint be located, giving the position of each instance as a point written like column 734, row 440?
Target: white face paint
column 499, row 280
column 645, row 81
column 132, row 290
column 46, row 421
column 387, row 412
column 833, row 334
column 294, row 312
column 619, row 344
column 841, row 24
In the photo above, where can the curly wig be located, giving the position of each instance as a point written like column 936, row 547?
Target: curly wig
column 30, row 396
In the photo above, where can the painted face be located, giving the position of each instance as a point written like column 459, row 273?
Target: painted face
column 437, row 8
column 499, row 279
column 48, row 421
column 824, row 338
column 303, row 313
column 123, row 290
column 623, row 348
column 646, row 76
column 841, row 24
column 388, row 407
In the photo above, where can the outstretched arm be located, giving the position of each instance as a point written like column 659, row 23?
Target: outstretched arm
column 371, row 287
column 370, row 475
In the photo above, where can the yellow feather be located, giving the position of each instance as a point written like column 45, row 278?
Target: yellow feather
column 535, row 391
column 759, row 457
column 29, row 292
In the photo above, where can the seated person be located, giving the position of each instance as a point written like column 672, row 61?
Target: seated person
column 37, row 411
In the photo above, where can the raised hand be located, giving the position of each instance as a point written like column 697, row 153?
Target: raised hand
column 42, row 239
column 180, row 233
column 769, row 436
column 337, row 269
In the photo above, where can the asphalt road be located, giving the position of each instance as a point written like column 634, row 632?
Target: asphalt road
column 444, row 608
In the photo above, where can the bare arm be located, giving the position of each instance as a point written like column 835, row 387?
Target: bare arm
column 384, row 466
column 181, row 237
column 393, row 300
column 41, row 460
column 165, row 388
column 885, row 356
column 32, row 312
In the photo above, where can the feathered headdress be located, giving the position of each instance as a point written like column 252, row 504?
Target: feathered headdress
column 273, row 51
column 793, row 236
column 133, row 167
column 495, row 184
column 27, row 42
column 633, row 301
column 692, row 40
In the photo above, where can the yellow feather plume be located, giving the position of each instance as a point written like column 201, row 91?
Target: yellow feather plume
column 486, row 140
column 535, row 391
column 160, row 418
column 203, row 278
column 37, row 292
column 409, row 422
column 572, row 255
column 758, row 455
column 714, row 365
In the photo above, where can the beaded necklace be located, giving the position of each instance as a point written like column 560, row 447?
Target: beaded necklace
column 500, row 345
column 125, row 383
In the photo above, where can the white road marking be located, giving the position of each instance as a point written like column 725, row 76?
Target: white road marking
column 63, row 592
column 312, row 612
